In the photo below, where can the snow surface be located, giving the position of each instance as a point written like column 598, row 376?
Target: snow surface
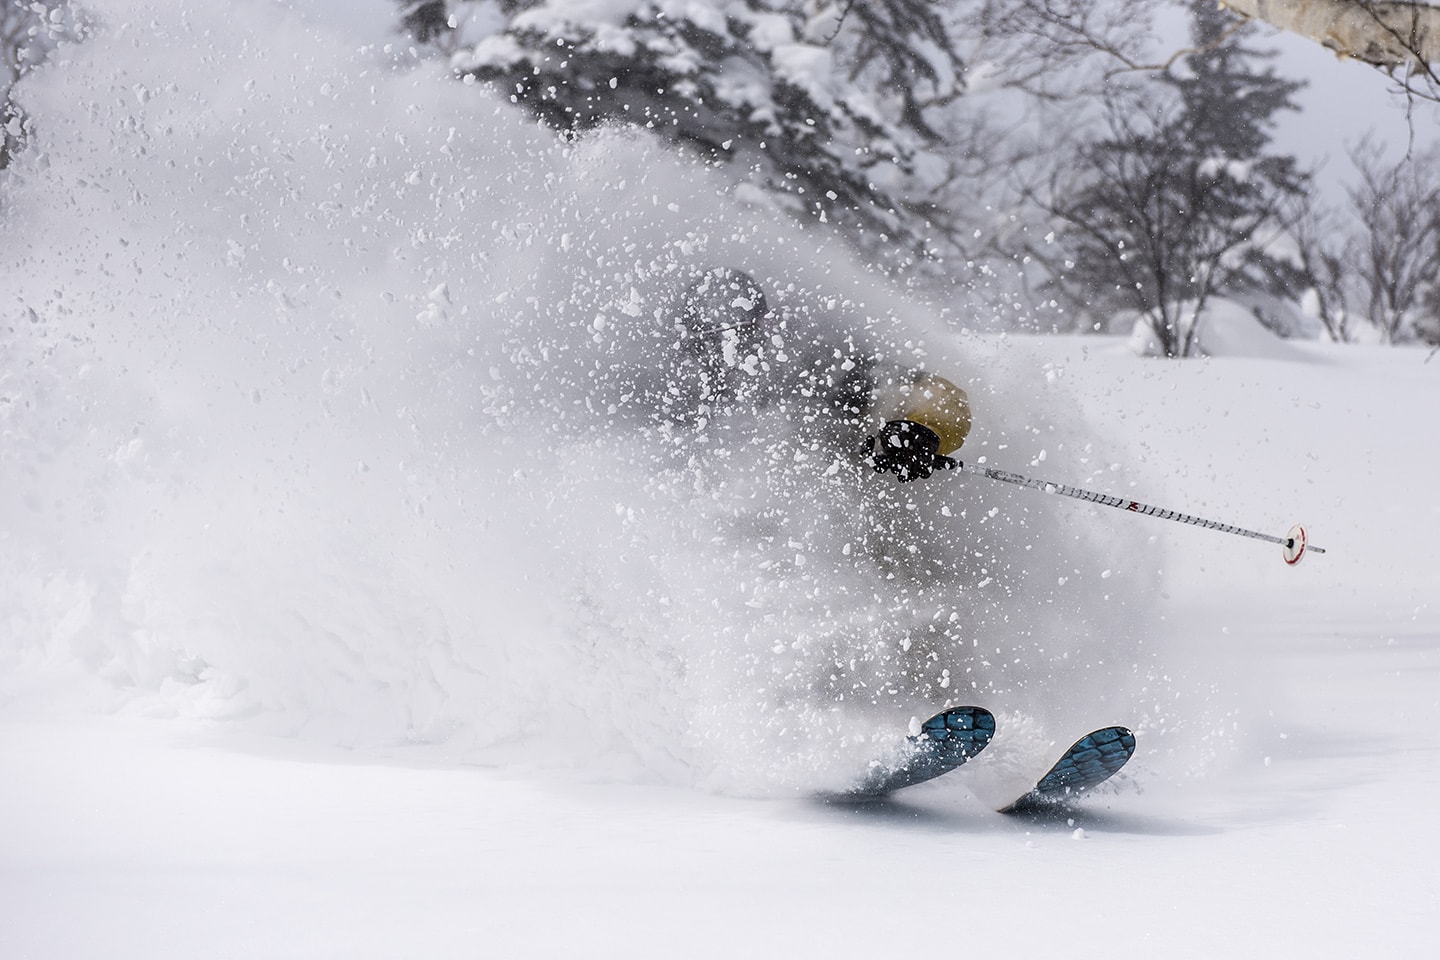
column 358, row 605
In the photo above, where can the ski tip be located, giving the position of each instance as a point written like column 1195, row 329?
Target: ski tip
column 953, row 719
column 1294, row 545
column 958, row 732
column 1090, row 761
column 946, row 741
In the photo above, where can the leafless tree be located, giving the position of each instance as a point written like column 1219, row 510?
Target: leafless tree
column 1398, row 208
column 1427, row 325
column 1326, row 250
column 1149, row 229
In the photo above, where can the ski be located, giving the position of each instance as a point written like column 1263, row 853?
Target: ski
column 945, row 741
column 1090, row 761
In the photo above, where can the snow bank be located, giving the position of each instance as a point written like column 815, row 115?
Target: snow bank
column 318, row 391
column 1227, row 329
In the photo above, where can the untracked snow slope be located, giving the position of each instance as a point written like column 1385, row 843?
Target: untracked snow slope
column 360, row 600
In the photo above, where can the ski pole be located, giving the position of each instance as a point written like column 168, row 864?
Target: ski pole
column 1293, row 543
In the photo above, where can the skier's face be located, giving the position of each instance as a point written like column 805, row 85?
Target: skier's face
column 736, row 347
column 723, row 315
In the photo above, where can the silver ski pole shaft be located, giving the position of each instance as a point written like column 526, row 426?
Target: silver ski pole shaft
column 1294, row 543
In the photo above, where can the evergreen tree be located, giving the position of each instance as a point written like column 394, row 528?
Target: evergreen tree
column 827, row 101
column 1168, row 209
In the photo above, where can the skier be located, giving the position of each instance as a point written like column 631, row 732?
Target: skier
column 736, row 353
column 912, row 419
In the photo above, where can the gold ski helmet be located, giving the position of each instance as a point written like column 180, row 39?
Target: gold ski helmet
column 931, row 401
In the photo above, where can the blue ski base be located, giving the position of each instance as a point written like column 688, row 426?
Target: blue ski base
column 1090, row 761
column 945, row 741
